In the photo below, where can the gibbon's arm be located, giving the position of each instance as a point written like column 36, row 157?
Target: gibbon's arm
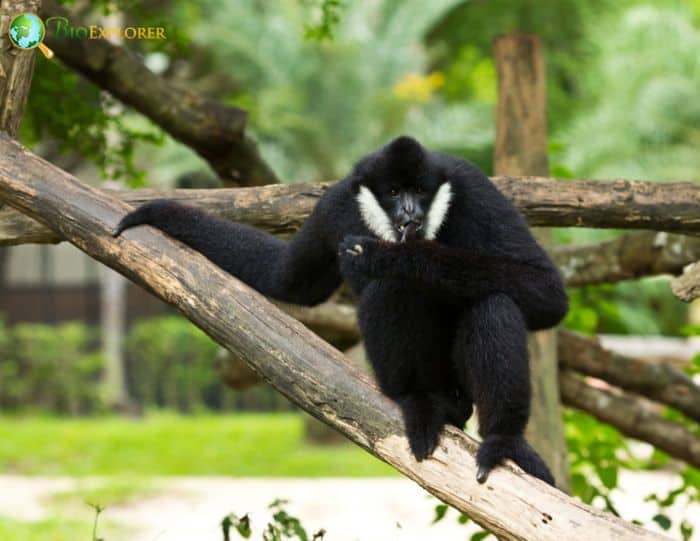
column 456, row 276
column 301, row 271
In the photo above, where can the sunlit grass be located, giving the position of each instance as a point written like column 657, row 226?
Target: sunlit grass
column 105, row 493
column 240, row 445
column 53, row 529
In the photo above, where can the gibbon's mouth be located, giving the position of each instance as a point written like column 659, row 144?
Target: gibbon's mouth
column 409, row 230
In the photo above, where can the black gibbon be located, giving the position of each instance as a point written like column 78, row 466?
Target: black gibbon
column 449, row 281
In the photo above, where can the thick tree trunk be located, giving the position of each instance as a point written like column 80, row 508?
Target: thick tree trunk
column 521, row 149
column 303, row 367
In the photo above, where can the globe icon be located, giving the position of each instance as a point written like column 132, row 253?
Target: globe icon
column 27, row 31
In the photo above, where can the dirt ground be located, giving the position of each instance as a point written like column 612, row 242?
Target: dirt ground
column 187, row 509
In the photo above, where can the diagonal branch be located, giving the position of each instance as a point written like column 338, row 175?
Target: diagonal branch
column 632, row 416
column 543, row 201
column 658, row 381
column 303, row 367
column 213, row 130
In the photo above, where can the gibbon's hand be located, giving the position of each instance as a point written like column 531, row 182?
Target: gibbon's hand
column 357, row 255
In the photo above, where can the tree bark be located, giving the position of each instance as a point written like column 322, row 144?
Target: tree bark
column 658, row 381
column 521, row 149
column 282, row 208
column 213, row 130
column 16, row 68
column 687, row 286
column 631, row 256
column 632, row 416
column 296, row 362
column 16, row 72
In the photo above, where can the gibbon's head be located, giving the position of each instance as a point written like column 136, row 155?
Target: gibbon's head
column 402, row 194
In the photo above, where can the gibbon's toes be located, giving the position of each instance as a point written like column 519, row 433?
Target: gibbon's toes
column 422, row 445
column 482, row 474
column 423, row 440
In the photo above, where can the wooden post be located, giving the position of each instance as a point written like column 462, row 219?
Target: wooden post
column 16, row 70
column 521, row 149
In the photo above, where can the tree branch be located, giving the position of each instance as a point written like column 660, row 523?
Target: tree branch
column 631, row 416
column 630, row 256
column 283, row 208
column 300, row 365
column 215, row 131
column 687, row 286
column 658, row 381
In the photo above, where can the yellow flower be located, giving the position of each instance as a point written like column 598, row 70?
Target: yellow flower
column 414, row 87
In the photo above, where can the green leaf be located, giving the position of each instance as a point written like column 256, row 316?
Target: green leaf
column 686, row 530
column 663, row 521
column 608, row 476
column 478, row 536
column 440, row 511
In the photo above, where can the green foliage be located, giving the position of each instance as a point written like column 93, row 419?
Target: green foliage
column 642, row 118
column 53, row 368
column 329, row 19
column 642, row 307
column 441, row 512
column 88, row 122
column 597, row 455
column 282, row 525
column 171, row 363
column 241, row 445
column 315, row 107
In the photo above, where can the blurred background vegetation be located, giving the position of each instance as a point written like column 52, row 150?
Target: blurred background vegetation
column 623, row 81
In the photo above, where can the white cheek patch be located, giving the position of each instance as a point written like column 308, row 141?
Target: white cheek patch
column 438, row 211
column 373, row 215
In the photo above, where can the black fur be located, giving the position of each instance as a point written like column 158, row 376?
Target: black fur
column 444, row 321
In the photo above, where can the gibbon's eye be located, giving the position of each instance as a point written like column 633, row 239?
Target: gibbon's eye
column 420, row 190
column 393, row 192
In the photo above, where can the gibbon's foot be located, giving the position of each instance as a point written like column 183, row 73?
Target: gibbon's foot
column 425, row 418
column 496, row 447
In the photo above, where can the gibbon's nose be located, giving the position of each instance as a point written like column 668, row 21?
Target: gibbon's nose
column 408, row 204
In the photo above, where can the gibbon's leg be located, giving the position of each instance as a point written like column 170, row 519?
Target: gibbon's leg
column 301, row 271
column 407, row 338
column 492, row 341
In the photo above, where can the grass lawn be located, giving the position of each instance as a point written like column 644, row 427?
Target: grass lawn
column 52, row 529
column 242, row 445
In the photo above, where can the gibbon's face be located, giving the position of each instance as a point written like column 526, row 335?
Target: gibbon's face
column 401, row 195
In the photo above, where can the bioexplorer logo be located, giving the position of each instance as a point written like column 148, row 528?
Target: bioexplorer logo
column 27, row 31
column 62, row 29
